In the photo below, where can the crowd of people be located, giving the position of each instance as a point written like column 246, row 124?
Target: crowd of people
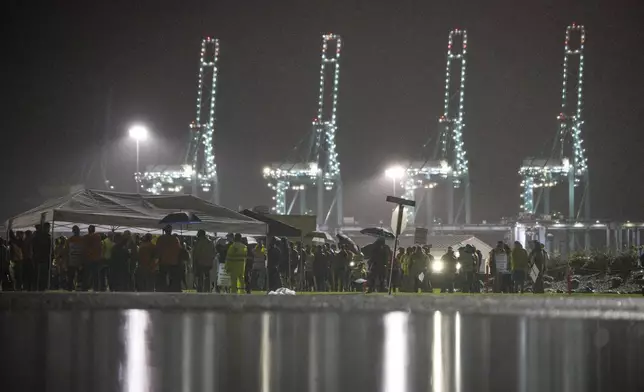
column 124, row 261
column 506, row 269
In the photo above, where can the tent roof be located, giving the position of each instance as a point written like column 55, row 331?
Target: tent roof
column 108, row 208
column 275, row 227
column 440, row 243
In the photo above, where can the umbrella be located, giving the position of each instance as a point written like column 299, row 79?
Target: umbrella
column 182, row 218
column 343, row 239
column 378, row 232
column 320, row 236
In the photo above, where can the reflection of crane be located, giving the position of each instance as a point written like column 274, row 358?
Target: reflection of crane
column 448, row 164
column 199, row 169
column 567, row 161
column 316, row 163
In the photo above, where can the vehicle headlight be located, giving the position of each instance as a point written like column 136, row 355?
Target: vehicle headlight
column 458, row 266
column 352, row 264
column 438, row 266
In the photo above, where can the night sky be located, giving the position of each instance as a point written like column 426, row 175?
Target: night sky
column 61, row 59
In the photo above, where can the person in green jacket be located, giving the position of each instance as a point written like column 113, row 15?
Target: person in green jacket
column 520, row 265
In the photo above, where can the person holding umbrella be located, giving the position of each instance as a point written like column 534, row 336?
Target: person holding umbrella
column 168, row 249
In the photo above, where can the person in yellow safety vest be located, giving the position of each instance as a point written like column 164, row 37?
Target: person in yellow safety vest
column 236, row 263
column 406, row 282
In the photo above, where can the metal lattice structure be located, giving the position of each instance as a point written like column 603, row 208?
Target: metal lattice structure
column 568, row 161
column 316, row 162
column 448, row 164
column 199, row 169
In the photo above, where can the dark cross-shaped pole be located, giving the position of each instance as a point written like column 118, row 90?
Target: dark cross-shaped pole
column 401, row 206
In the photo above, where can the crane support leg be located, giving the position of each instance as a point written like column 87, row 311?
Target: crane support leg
column 321, row 215
column 429, row 208
column 468, row 201
column 587, row 198
column 450, row 204
column 339, row 207
column 302, row 201
column 546, row 201
column 571, row 196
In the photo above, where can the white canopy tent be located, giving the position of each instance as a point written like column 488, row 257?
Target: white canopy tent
column 139, row 213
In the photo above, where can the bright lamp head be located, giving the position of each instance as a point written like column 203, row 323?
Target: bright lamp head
column 138, row 132
column 395, row 172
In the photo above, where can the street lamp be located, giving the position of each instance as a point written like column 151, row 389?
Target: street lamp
column 395, row 173
column 139, row 133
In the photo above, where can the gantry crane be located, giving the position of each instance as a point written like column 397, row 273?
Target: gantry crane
column 447, row 164
column 315, row 162
column 567, row 161
column 199, row 169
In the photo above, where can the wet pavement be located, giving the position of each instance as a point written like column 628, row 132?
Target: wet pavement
column 158, row 342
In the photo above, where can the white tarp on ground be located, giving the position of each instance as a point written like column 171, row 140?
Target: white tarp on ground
column 121, row 211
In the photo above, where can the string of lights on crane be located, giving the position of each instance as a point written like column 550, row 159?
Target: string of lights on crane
column 571, row 120
column 204, row 128
column 456, row 123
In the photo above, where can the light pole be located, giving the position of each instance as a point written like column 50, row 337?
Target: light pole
column 139, row 133
column 395, row 173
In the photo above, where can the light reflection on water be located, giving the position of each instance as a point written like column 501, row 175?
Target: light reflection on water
column 395, row 352
column 437, row 354
column 137, row 375
column 138, row 350
column 265, row 353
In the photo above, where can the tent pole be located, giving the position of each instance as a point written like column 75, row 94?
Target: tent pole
column 300, row 269
column 290, row 275
column 268, row 274
column 53, row 252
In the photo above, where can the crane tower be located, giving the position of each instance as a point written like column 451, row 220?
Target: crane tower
column 567, row 161
column 315, row 162
column 199, row 169
column 448, row 164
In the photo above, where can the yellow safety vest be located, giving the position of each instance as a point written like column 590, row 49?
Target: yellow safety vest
column 236, row 252
column 107, row 248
